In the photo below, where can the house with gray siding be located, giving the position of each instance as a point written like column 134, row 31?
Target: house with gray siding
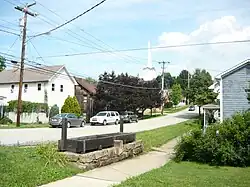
column 234, row 89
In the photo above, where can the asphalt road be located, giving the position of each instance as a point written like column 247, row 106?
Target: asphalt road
column 38, row 135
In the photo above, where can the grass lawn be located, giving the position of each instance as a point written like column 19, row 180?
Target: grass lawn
column 191, row 174
column 175, row 109
column 21, row 167
column 160, row 136
column 166, row 111
column 11, row 126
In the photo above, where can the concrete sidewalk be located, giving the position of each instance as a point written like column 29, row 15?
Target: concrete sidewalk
column 115, row 173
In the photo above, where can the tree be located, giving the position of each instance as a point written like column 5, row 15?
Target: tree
column 91, row 80
column 176, row 94
column 71, row 105
column 169, row 81
column 2, row 63
column 182, row 80
column 53, row 111
column 117, row 97
column 199, row 92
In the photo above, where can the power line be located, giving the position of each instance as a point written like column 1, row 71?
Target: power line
column 9, row 32
column 160, row 47
column 67, row 22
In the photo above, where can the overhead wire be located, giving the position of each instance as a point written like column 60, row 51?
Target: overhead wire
column 67, row 22
column 9, row 32
column 159, row 47
column 91, row 42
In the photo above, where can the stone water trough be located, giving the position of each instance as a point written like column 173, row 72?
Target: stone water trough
column 87, row 144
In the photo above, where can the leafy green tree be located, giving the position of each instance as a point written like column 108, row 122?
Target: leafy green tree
column 91, row 80
column 176, row 94
column 2, row 63
column 71, row 105
column 53, row 111
column 118, row 97
column 169, row 80
column 182, row 80
column 199, row 92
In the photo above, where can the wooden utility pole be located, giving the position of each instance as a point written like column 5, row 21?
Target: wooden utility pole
column 19, row 100
column 162, row 85
column 188, row 88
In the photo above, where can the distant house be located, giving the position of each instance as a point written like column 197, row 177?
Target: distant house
column 48, row 84
column 2, row 104
column 233, row 87
column 84, row 92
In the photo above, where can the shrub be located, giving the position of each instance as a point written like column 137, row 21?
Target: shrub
column 6, row 120
column 54, row 111
column 50, row 153
column 222, row 144
column 71, row 105
column 169, row 105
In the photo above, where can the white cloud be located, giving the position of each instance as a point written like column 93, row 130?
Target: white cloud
column 214, row 57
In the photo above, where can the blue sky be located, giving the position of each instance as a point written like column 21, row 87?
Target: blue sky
column 130, row 24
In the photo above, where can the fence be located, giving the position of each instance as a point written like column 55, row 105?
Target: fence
column 29, row 117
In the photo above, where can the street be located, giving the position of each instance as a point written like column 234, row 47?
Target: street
column 37, row 135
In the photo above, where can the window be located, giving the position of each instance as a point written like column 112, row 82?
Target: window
column 39, row 87
column 25, row 88
column 53, row 87
column 112, row 114
column 61, row 88
column 108, row 115
column 12, row 88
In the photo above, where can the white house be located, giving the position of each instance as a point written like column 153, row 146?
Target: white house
column 47, row 84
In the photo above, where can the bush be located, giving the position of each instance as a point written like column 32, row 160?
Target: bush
column 71, row 105
column 53, row 111
column 50, row 153
column 169, row 105
column 222, row 144
column 6, row 120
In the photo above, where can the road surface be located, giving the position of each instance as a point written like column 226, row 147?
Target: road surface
column 38, row 135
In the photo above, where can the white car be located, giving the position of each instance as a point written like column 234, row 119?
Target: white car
column 106, row 117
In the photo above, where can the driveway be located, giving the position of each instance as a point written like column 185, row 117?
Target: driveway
column 33, row 136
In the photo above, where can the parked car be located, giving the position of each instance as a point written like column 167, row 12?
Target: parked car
column 191, row 108
column 129, row 116
column 72, row 120
column 105, row 117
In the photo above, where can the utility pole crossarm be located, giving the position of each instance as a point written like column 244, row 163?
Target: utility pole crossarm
column 19, row 100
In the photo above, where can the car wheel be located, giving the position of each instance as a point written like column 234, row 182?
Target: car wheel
column 82, row 124
column 117, row 122
column 104, row 122
column 68, row 125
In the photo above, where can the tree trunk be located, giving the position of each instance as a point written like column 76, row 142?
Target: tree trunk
column 151, row 111
column 199, row 110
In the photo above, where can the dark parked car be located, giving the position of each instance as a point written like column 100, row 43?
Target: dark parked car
column 191, row 108
column 129, row 116
column 72, row 120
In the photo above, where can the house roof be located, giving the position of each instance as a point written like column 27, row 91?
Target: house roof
column 211, row 106
column 91, row 88
column 30, row 74
column 233, row 69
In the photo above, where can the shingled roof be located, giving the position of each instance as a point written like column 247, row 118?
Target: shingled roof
column 30, row 74
column 91, row 88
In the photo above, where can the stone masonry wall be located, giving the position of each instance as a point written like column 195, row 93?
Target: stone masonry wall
column 105, row 157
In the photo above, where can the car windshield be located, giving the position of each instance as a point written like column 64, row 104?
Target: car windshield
column 60, row 115
column 101, row 114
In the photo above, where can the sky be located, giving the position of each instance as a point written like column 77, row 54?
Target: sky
column 126, row 24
